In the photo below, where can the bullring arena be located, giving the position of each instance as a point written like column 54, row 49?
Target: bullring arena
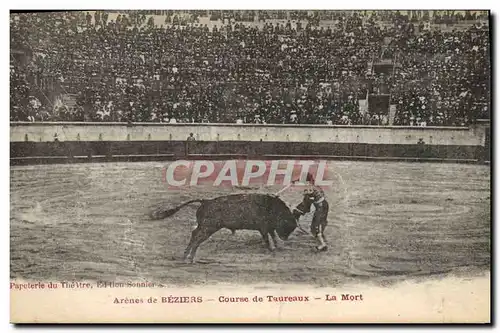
column 388, row 220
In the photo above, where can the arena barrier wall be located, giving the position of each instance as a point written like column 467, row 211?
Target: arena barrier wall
column 33, row 143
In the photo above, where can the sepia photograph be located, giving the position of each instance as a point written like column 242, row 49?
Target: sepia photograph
column 249, row 164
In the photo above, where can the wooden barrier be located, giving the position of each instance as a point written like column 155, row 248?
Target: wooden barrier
column 120, row 142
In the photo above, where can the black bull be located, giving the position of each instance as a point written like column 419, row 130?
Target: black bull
column 263, row 212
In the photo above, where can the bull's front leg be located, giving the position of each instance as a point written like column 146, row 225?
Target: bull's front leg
column 274, row 237
column 267, row 240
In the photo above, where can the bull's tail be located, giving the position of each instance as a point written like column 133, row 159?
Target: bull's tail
column 161, row 213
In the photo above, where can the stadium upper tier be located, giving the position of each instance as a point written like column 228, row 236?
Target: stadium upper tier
column 244, row 66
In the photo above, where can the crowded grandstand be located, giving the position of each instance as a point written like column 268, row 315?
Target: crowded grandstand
column 411, row 68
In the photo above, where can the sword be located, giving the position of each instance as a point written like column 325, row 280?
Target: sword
column 283, row 190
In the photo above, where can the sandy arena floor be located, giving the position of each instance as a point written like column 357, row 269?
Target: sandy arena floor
column 388, row 222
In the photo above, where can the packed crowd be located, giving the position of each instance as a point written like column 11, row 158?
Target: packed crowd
column 444, row 78
column 127, row 67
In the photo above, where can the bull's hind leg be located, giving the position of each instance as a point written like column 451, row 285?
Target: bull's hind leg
column 194, row 235
column 198, row 236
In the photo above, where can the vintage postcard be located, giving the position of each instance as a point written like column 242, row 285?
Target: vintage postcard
column 250, row 166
